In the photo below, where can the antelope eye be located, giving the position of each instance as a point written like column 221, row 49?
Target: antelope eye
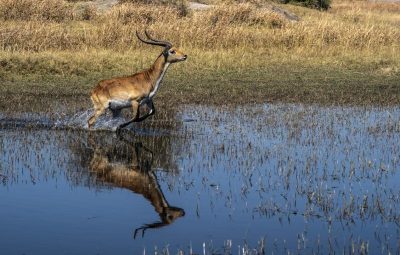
column 172, row 52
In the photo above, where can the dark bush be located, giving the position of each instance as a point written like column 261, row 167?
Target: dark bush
column 317, row 4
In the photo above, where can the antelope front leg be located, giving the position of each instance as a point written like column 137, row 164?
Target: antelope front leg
column 93, row 118
column 136, row 113
column 152, row 111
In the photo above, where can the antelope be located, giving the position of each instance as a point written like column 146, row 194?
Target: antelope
column 135, row 174
column 135, row 90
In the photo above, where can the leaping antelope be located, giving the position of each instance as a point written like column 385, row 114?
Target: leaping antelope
column 137, row 89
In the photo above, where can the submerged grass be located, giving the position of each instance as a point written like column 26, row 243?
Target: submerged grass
column 349, row 54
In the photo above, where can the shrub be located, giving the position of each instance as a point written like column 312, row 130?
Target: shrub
column 89, row 12
column 317, row 4
column 244, row 14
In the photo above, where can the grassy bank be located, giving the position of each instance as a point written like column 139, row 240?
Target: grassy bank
column 349, row 54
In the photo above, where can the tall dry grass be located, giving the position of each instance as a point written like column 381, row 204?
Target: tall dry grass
column 180, row 5
column 35, row 10
column 53, row 25
column 237, row 32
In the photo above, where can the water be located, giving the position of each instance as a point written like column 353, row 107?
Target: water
column 276, row 177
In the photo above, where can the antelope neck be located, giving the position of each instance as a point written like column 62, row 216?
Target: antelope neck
column 157, row 71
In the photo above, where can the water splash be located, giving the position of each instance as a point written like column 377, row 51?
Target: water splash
column 61, row 121
column 80, row 121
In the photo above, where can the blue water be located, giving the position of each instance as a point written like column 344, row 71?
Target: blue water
column 299, row 179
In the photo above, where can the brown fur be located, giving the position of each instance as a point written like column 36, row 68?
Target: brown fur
column 132, row 88
column 138, row 177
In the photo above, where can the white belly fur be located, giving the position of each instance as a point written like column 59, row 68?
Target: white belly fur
column 119, row 104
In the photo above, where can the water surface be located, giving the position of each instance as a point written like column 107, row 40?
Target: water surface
column 278, row 177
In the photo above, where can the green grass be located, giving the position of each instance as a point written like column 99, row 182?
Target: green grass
column 218, row 77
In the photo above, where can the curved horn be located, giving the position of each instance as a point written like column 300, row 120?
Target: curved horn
column 150, row 42
column 147, row 226
column 155, row 40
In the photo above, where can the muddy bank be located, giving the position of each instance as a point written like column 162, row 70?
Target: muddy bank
column 63, row 95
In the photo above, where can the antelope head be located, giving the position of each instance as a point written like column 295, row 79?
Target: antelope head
column 171, row 54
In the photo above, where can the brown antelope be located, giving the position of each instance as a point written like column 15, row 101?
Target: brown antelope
column 136, row 175
column 137, row 89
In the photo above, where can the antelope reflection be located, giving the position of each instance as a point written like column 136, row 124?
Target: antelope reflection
column 135, row 173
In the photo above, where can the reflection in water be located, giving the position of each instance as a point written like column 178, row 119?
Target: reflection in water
column 134, row 173
column 305, row 179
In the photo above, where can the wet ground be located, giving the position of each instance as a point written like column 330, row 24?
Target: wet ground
column 277, row 178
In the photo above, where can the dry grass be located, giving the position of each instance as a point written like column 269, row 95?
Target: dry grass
column 230, row 41
column 180, row 5
column 133, row 15
column 242, row 14
column 371, row 6
column 157, row 2
column 43, row 10
column 207, row 77
column 241, row 26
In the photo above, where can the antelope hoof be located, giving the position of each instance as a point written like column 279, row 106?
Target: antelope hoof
column 118, row 130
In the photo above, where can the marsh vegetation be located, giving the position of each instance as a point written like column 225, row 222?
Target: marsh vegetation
column 276, row 177
column 279, row 134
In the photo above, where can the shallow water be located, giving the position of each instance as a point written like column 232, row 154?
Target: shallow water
column 278, row 177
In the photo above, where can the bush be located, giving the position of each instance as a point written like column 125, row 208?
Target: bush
column 89, row 12
column 244, row 14
column 317, row 4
